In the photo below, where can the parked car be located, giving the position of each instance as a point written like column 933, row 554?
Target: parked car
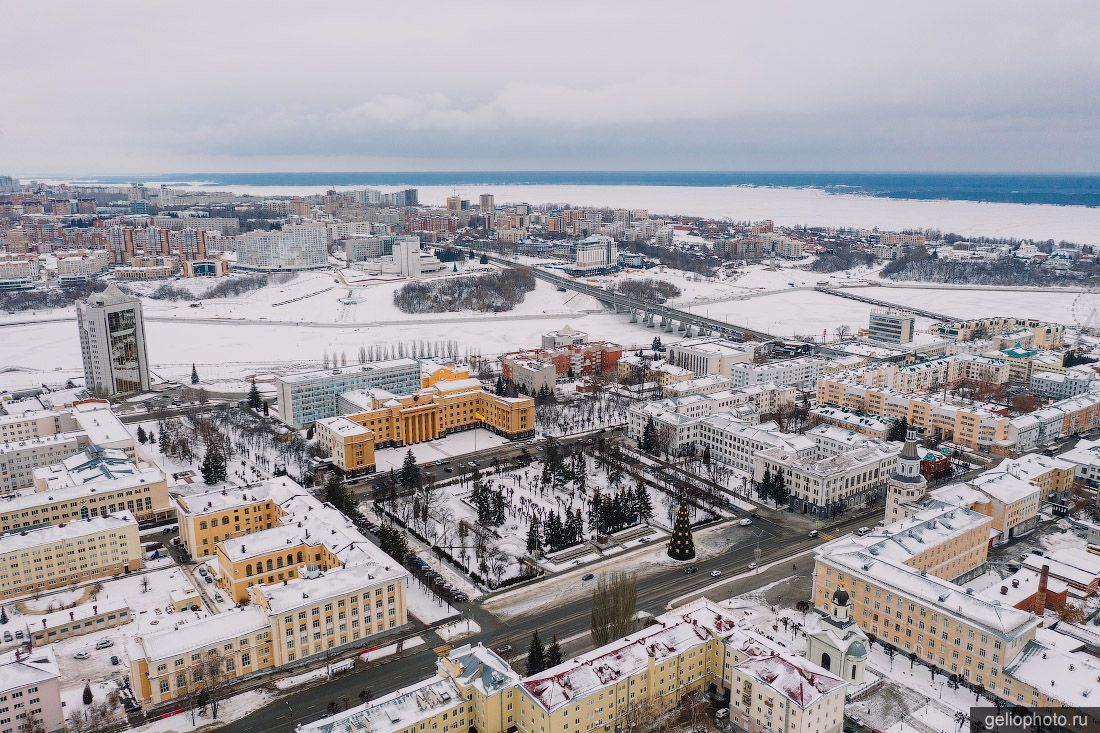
column 8, row 636
column 587, row 576
column 81, row 655
column 724, row 712
column 208, row 578
column 218, row 597
column 745, row 522
column 752, row 566
column 114, row 660
column 203, row 571
column 715, row 573
column 863, row 531
column 18, row 634
column 104, row 644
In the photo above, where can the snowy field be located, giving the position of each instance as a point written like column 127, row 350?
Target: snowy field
column 801, row 312
column 1049, row 305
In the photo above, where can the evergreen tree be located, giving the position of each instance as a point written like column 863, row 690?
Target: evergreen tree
column 595, row 511
column 536, row 655
column 213, row 466
column 254, row 399
column 648, row 442
column 534, row 541
column 706, row 456
column 152, row 437
column 336, row 493
column 88, row 697
column 643, row 505
column 764, row 489
column 657, row 345
column 779, row 489
column 266, row 408
column 309, row 432
column 682, row 544
column 410, row 472
column 484, row 259
column 3, row 615
column 194, row 375
column 499, row 389
column 898, row 429
column 141, row 436
column 553, row 653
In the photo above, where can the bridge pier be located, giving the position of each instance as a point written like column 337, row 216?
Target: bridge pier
column 683, row 327
column 633, row 316
column 668, row 325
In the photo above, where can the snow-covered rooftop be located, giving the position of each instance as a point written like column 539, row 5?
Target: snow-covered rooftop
column 395, row 711
column 20, row 668
column 190, row 634
column 15, row 542
column 793, row 677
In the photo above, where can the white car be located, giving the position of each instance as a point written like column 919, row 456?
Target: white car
column 745, row 522
column 81, row 655
column 752, row 566
column 715, row 573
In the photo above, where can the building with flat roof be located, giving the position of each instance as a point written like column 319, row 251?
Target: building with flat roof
column 54, row 556
column 710, row 355
column 616, row 686
column 891, row 326
column 112, row 343
column 33, row 677
column 313, row 583
column 802, row 372
column 310, row 396
column 294, row 247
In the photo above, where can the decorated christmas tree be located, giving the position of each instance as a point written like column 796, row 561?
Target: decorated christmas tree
column 682, row 546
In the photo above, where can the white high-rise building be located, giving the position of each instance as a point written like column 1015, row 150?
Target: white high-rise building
column 112, row 343
column 294, row 247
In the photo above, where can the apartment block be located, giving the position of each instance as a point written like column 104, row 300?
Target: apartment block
column 828, row 486
column 313, row 584
column 891, row 326
column 30, row 694
column 76, row 552
column 802, row 373
column 619, row 685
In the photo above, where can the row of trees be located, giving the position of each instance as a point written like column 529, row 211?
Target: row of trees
column 773, row 487
column 542, row 656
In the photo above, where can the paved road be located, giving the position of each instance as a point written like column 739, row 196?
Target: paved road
column 564, row 620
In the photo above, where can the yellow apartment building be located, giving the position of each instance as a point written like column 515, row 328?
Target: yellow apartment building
column 55, row 556
column 311, row 581
column 970, row 426
column 627, row 682
column 92, row 483
column 348, row 444
column 207, row 519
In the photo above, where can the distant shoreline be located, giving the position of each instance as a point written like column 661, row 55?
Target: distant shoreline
column 1016, row 188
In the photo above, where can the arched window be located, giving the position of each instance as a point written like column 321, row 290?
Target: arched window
column 202, row 525
column 299, row 556
column 83, row 512
column 290, row 558
column 826, row 662
column 269, row 565
column 248, row 569
column 853, row 671
column 279, row 561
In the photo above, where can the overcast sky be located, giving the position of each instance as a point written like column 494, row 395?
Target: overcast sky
column 156, row 87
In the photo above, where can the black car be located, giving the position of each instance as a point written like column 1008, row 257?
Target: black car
column 690, row 569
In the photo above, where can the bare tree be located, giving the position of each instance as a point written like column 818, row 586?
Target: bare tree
column 613, row 602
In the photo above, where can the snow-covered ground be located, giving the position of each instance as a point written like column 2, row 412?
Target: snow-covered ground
column 449, row 446
column 1050, row 305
